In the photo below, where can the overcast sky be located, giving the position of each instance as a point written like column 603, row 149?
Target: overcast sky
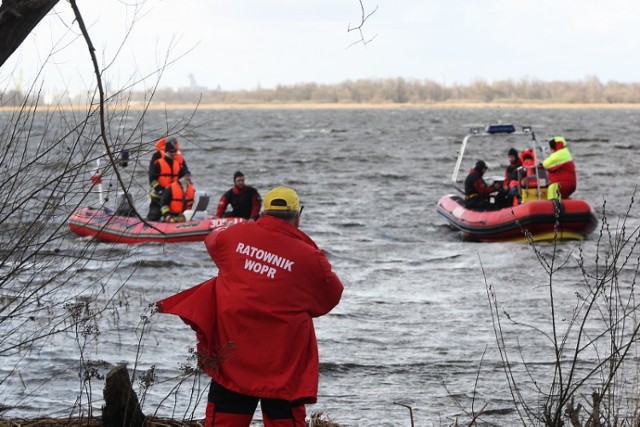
column 242, row 44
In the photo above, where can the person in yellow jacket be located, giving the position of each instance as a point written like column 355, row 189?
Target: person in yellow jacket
column 177, row 198
column 561, row 170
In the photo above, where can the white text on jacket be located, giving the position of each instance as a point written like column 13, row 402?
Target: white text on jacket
column 268, row 260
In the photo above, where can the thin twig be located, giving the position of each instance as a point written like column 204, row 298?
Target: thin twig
column 364, row 17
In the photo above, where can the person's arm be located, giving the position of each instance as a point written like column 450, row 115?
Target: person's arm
column 505, row 181
column 557, row 158
column 212, row 243
column 327, row 289
column 482, row 189
column 154, row 173
column 184, row 169
column 222, row 206
column 256, row 204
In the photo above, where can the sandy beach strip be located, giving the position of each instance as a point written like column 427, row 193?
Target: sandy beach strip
column 155, row 106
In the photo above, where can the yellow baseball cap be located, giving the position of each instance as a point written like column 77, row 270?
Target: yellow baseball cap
column 281, row 199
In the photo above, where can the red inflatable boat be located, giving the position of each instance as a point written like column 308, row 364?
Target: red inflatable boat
column 107, row 227
column 533, row 217
column 537, row 219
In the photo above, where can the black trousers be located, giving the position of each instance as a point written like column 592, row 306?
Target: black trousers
column 155, row 207
column 225, row 401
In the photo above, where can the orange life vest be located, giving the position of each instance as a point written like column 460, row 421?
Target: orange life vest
column 162, row 142
column 528, row 159
column 168, row 173
column 181, row 201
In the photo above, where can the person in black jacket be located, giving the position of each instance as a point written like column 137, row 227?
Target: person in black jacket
column 244, row 199
column 510, row 184
column 477, row 192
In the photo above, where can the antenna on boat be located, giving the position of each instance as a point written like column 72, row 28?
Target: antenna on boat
column 96, row 179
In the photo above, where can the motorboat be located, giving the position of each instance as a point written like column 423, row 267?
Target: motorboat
column 105, row 226
column 531, row 217
column 123, row 225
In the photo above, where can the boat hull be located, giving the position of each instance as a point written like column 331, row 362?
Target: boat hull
column 106, row 227
column 538, row 220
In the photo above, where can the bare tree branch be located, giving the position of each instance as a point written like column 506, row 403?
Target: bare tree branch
column 363, row 20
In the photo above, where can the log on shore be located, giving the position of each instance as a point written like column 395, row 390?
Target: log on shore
column 121, row 408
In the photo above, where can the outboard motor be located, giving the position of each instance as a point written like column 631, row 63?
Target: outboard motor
column 123, row 159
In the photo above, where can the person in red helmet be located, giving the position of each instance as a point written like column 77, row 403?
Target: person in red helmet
column 561, row 170
column 254, row 322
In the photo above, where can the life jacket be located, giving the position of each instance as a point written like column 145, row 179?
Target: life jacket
column 168, row 172
column 528, row 158
column 180, row 200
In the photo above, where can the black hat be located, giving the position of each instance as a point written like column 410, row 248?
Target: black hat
column 237, row 174
column 170, row 146
column 480, row 165
column 512, row 152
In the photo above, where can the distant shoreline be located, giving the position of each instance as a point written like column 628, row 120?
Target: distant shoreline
column 334, row 106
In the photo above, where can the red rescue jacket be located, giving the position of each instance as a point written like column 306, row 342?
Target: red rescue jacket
column 255, row 321
column 561, row 169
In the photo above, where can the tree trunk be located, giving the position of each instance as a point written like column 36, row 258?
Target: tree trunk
column 17, row 19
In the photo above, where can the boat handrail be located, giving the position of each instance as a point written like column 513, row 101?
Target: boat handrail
column 492, row 130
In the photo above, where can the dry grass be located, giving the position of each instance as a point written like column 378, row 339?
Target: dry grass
column 317, row 419
column 91, row 422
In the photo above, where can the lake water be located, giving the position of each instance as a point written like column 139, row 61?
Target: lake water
column 414, row 324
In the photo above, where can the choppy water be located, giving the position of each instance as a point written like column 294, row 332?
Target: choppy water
column 414, row 323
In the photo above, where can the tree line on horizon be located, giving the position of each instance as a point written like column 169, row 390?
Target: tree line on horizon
column 378, row 91
column 413, row 91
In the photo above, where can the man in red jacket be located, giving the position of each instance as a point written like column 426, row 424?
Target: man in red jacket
column 261, row 345
column 561, row 170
